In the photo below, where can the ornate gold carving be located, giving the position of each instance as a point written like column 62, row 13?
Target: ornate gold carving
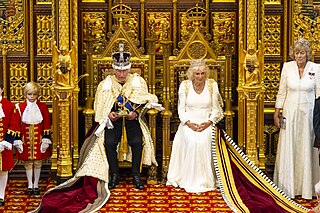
column 18, row 79
column 197, row 50
column 223, row 28
column 272, row 1
column 271, row 81
column 44, row 1
column 94, row 28
column 64, row 66
column 12, row 27
column 65, row 92
column 251, row 67
column 306, row 23
column 93, row 0
column 44, row 34
column 272, row 35
column 185, row 25
column 223, row 0
column 61, row 112
column 252, row 23
column 271, row 135
column 64, row 23
column 227, row 92
column 44, row 79
column 159, row 27
column 251, row 88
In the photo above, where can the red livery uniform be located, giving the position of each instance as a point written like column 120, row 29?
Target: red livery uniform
column 9, row 124
column 32, row 134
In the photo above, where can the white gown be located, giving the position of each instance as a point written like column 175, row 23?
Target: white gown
column 297, row 162
column 191, row 164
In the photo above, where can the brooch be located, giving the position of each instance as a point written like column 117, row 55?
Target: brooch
column 311, row 75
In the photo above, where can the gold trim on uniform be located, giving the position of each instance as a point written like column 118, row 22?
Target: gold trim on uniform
column 31, row 135
column 0, row 161
column 11, row 132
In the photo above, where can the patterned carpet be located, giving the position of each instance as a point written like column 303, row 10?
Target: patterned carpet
column 155, row 198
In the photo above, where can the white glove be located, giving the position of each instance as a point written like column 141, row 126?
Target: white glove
column 6, row 145
column 1, row 147
column 44, row 144
column 19, row 145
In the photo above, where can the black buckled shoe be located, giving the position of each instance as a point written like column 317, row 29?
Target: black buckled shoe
column 137, row 182
column 114, row 181
column 36, row 191
column 29, row 191
column 2, row 203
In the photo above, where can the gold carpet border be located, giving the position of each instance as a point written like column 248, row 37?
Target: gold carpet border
column 225, row 150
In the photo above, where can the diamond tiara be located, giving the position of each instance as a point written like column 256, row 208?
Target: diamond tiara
column 198, row 63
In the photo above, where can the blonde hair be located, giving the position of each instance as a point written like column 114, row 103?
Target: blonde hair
column 194, row 69
column 31, row 87
column 298, row 45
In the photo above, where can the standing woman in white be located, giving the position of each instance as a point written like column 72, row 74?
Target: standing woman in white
column 297, row 162
column 199, row 108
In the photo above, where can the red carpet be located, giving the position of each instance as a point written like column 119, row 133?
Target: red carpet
column 125, row 198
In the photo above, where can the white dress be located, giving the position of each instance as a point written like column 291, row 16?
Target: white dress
column 297, row 162
column 191, row 164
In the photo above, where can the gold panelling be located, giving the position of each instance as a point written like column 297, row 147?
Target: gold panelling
column 272, row 35
column 12, row 26
column 185, row 25
column 271, row 81
column 44, row 79
column 271, row 135
column 131, row 25
column 272, row 1
column 93, row 0
column 94, row 29
column 44, row 1
column 223, row 28
column 44, row 34
column 18, row 79
column 223, row 0
column 306, row 25
column 158, row 25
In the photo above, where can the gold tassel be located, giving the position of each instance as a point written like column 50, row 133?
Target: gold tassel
column 123, row 149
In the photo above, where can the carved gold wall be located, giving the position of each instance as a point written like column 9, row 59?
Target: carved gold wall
column 29, row 28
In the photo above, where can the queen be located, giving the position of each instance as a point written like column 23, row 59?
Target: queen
column 199, row 109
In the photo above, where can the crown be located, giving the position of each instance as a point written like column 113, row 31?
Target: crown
column 121, row 11
column 121, row 59
column 196, row 13
column 198, row 63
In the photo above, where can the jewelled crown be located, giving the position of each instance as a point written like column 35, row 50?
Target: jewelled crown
column 121, row 59
column 198, row 63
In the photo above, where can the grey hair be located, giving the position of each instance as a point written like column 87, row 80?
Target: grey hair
column 298, row 45
column 194, row 69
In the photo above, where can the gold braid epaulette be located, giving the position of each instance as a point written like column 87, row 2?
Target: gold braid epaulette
column 47, row 132
column 11, row 132
column 18, row 134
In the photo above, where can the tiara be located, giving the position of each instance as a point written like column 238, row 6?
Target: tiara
column 302, row 41
column 198, row 63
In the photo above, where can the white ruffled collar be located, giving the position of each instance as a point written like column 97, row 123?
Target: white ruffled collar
column 32, row 113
